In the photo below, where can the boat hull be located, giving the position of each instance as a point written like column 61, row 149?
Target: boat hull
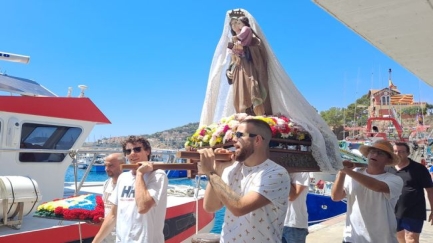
column 180, row 225
column 321, row 208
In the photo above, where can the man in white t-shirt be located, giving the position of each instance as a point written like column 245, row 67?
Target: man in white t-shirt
column 112, row 167
column 296, row 221
column 372, row 194
column 139, row 199
column 254, row 189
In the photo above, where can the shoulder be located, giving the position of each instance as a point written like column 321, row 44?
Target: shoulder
column 124, row 175
column 246, row 28
column 270, row 166
column 300, row 176
column 107, row 182
column 159, row 173
column 389, row 177
column 416, row 164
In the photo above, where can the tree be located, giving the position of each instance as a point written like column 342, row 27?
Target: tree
column 333, row 117
column 356, row 113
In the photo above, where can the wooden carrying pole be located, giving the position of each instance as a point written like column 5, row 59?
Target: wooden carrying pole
column 163, row 166
column 193, row 155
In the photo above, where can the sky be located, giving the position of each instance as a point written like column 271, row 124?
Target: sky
column 146, row 63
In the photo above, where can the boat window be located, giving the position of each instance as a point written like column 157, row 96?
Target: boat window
column 52, row 137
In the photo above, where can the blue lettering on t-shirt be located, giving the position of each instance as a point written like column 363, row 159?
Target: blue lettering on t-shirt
column 128, row 192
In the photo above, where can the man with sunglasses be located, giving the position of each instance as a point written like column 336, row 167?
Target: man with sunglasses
column 371, row 193
column 139, row 199
column 253, row 188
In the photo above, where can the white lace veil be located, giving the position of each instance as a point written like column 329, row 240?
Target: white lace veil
column 285, row 99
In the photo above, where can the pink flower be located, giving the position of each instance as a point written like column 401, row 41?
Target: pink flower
column 228, row 136
column 203, row 132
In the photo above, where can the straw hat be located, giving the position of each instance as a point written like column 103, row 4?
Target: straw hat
column 383, row 145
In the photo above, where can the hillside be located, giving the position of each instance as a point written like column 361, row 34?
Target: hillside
column 175, row 138
column 168, row 139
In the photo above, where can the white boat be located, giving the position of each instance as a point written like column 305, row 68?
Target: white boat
column 38, row 142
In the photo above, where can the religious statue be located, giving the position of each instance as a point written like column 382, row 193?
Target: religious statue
column 258, row 85
column 248, row 69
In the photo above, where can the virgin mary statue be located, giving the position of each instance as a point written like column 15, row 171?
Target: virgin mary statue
column 284, row 97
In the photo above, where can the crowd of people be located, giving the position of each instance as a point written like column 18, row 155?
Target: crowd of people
column 385, row 200
column 265, row 203
column 257, row 192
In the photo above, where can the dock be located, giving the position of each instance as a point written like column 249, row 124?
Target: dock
column 332, row 230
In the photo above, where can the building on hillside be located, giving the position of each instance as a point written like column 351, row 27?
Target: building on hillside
column 389, row 101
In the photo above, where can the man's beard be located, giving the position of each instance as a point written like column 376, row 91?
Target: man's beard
column 244, row 153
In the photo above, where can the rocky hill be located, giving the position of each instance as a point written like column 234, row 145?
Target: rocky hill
column 169, row 139
column 175, row 138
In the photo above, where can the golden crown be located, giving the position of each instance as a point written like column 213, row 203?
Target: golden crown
column 236, row 13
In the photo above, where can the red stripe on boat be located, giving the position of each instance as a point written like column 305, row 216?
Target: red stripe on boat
column 82, row 109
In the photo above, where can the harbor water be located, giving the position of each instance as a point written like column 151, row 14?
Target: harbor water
column 70, row 176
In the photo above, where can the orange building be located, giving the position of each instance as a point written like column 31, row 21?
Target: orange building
column 388, row 101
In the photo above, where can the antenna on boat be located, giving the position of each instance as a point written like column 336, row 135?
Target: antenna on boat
column 14, row 57
column 82, row 87
column 69, row 92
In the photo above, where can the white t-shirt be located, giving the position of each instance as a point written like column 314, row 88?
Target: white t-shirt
column 107, row 190
column 370, row 215
column 297, row 215
column 132, row 226
column 266, row 223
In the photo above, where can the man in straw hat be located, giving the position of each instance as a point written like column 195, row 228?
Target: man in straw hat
column 372, row 194
column 410, row 210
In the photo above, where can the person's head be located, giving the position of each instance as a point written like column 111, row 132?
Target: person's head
column 252, row 135
column 136, row 149
column 380, row 153
column 112, row 164
column 234, row 29
column 402, row 150
column 244, row 21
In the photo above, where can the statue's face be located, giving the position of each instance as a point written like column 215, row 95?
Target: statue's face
column 234, row 25
column 239, row 24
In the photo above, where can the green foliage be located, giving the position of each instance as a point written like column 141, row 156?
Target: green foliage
column 333, row 117
column 354, row 114
column 415, row 110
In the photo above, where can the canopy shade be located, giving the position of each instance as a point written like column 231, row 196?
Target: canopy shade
column 402, row 29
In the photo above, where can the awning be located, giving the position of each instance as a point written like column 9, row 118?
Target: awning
column 402, row 29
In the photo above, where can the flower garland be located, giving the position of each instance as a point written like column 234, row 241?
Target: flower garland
column 223, row 131
column 85, row 207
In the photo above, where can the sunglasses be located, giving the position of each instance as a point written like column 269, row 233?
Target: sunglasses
column 378, row 152
column 241, row 134
column 129, row 151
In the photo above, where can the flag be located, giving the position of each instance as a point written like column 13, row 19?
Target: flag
column 405, row 99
